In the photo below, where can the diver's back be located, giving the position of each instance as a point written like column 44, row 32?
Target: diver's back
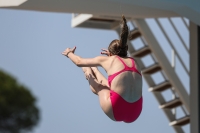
column 127, row 81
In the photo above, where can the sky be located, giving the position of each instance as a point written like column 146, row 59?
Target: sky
column 31, row 43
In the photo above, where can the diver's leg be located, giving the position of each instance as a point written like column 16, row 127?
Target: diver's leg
column 103, row 91
column 99, row 76
column 87, row 71
column 105, row 101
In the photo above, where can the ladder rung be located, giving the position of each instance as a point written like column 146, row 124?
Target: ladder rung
column 141, row 52
column 160, row 87
column 171, row 104
column 151, row 69
column 180, row 122
column 134, row 34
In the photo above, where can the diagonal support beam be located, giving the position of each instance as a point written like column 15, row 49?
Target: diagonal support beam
column 164, row 63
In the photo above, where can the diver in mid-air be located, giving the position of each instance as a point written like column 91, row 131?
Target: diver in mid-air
column 121, row 95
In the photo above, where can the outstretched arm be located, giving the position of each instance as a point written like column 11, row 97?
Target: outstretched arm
column 85, row 62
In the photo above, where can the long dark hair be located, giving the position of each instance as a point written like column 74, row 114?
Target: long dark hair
column 120, row 47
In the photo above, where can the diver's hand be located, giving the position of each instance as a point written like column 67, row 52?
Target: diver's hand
column 105, row 52
column 68, row 50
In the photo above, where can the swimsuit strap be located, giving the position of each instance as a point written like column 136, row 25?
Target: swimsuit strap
column 133, row 64
column 126, row 68
column 121, row 61
column 133, row 68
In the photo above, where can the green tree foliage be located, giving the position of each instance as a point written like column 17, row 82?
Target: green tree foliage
column 18, row 112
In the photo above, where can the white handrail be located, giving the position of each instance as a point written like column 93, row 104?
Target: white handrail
column 164, row 32
column 180, row 37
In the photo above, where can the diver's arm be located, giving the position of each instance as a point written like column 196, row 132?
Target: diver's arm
column 85, row 62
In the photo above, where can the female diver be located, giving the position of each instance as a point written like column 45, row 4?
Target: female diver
column 121, row 95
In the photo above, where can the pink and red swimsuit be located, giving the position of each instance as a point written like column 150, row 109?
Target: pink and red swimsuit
column 123, row 110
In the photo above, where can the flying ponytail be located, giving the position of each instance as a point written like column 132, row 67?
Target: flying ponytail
column 120, row 47
column 124, row 33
